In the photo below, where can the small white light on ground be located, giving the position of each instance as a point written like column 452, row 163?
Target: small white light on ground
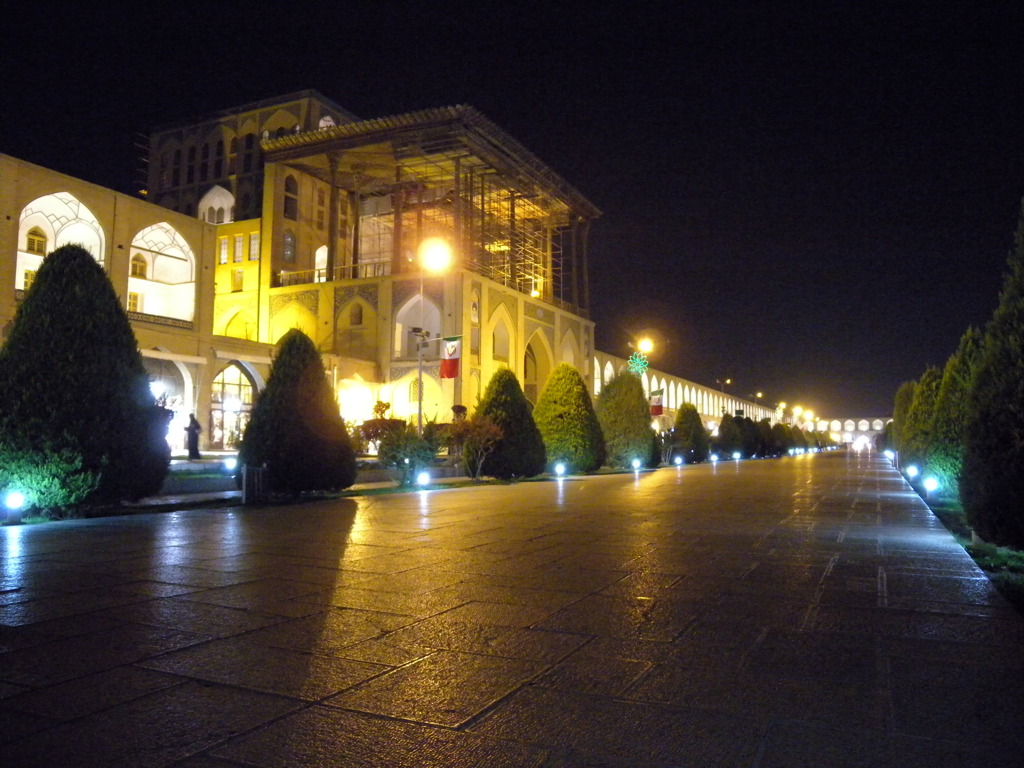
column 931, row 484
column 714, row 457
column 636, row 463
column 912, row 471
column 678, row 460
column 14, row 500
column 230, row 464
column 559, row 469
column 737, row 455
column 423, row 478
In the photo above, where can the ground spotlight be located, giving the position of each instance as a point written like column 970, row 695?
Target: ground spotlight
column 560, row 469
column 714, row 457
column 931, row 484
column 423, row 478
column 737, row 455
column 636, row 464
column 912, row 471
column 230, row 464
column 678, row 460
column 14, row 499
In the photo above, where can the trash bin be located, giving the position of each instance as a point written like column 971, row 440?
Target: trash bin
column 254, row 484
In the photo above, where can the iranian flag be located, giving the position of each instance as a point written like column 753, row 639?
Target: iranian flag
column 656, row 396
column 451, row 351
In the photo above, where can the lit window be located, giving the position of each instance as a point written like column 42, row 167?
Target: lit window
column 239, row 248
column 254, row 246
column 30, row 277
column 138, row 268
column 291, row 198
column 237, row 279
column 222, row 254
column 35, row 241
column 134, row 302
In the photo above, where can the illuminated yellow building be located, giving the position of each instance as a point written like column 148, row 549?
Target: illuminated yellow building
column 292, row 213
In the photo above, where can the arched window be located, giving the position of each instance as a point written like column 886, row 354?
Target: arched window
column 139, row 267
column 289, row 247
column 291, row 198
column 35, row 241
column 355, row 314
column 211, row 215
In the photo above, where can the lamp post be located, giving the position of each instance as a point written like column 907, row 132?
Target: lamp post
column 435, row 255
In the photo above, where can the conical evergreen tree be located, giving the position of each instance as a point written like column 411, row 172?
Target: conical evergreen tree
column 946, row 451
column 520, row 451
column 901, row 406
column 295, row 429
column 625, row 417
column 917, row 426
column 73, row 384
column 689, row 438
column 565, row 416
column 992, row 482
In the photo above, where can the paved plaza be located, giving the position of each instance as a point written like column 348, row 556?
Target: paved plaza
column 802, row 612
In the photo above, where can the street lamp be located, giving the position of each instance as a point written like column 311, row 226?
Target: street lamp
column 435, row 256
column 722, row 382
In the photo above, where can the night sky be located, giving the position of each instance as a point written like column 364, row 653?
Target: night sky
column 813, row 201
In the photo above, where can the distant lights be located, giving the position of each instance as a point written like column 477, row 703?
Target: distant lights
column 737, row 455
column 636, row 464
column 560, row 468
column 931, row 484
column 714, row 457
column 230, row 464
column 913, row 471
column 423, row 478
column 678, row 460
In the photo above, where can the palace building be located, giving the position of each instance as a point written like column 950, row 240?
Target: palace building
column 292, row 213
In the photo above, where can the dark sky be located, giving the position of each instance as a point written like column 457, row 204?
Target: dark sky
column 813, row 199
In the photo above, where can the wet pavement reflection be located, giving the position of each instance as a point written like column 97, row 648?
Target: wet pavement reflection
column 802, row 612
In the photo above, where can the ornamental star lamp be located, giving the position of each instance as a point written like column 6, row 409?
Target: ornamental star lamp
column 637, row 363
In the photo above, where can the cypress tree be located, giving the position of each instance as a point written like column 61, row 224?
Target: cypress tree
column 296, row 429
column 945, row 454
column 75, row 394
column 901, row 405
column 625, row 418
column 520, row 451
column 992, row 482
column 917, row 426
column 565, row 416
column 729, row 439
column 689, row 438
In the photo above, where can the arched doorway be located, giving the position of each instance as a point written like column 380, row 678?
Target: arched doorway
column 231, row 398
column 536, row 368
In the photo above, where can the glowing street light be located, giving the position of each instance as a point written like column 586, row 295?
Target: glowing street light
column 435, row 256
column 645, row 345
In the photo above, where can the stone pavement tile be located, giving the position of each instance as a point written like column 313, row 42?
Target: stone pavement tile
column 385, row 651
column 473, row 588
column 69, row 626
column 763, row 697
column 604, row 676
column 974, row 590
column 149, row 732
column 252, row 594
column 264, row 668
column 92, row 693
column 785, row 612
column 322, row 737
column 18, row 725
column 618, row 616
column 500, row 614
column 446, row 688
column 642, row 584
column 413, row 581
column 824, row 656
column 1010, row 659
column 983, row 630
column 205, row 619
column 190, row 576
column 60, row 606
column 417, row 605
column 795, row 744
column 598, row 727
column 328, row 631
column 952, row 701
column 12, row 638
column 73, row 657
column 571, row 579
column 440, row 632
column 155, row 588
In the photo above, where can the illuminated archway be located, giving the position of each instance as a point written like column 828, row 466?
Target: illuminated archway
column 231, row 399
column 417, row 312
column 537, row 365
column 52, row 221
column 167, row 287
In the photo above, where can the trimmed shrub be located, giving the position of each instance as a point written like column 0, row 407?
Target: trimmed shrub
column 565, row 416
column 520, row 451
column 403, row 449
column 992, row 482
column 296, row 430
column 689, row 438
column 625, row 418
column 76, row 394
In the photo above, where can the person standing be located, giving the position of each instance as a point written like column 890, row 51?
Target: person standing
column 192, row 432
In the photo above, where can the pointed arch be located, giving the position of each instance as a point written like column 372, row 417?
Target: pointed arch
column 54, row 220
column 356, row 330
column 538, row 362
column 500, row 337
column 416, row 312
column 570, row 352
column 241, row 325
column 168, row 288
